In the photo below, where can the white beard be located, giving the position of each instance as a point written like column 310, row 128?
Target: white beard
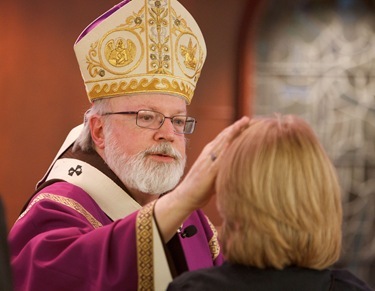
column 142, row 173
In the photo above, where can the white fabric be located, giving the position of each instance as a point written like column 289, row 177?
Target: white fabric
column 113, row 200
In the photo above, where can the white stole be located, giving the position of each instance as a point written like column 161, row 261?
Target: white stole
column 111, row 198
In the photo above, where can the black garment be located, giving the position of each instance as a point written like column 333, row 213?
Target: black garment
column 233, row 277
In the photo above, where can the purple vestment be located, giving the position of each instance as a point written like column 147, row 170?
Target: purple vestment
column 64, row 241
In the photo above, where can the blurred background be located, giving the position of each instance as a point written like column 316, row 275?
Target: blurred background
column 314, row 58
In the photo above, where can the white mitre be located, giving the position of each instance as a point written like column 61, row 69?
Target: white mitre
column 141, row 46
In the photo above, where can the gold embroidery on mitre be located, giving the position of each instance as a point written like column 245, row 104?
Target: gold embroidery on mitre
column 159, row 38
column 155, row 84
column 120, row 50
column 189, row 54
column 214, row 242
column 145, row 255
column 152, row 42
column 66, row 202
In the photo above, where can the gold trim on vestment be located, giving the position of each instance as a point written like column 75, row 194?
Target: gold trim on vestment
column 71, row 203
column 214, row 242
column 145, row 256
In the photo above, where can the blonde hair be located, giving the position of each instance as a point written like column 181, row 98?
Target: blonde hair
column 279, row 197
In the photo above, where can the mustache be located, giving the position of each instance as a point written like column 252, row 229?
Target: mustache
column 163, row 149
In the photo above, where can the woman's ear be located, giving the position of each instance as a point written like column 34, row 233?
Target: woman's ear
column 96, row 129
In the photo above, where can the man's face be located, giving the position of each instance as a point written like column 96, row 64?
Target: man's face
column 147, row 160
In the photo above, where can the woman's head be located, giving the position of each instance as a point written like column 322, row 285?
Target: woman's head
column 279, row 197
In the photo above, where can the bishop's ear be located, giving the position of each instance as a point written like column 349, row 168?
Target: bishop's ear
column 96, row 129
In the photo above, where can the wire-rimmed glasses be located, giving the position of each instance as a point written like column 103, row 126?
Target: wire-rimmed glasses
column 154, row 120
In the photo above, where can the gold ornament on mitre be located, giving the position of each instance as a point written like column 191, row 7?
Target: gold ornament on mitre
column 141, row 46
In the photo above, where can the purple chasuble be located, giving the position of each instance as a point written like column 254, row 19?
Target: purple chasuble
column 64, row 241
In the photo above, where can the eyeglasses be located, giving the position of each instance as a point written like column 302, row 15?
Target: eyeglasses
column 154, row 120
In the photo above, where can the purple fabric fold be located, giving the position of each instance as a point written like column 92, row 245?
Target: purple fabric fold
column 102, row 17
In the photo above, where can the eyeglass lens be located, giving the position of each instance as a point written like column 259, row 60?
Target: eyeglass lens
column 154, row 120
